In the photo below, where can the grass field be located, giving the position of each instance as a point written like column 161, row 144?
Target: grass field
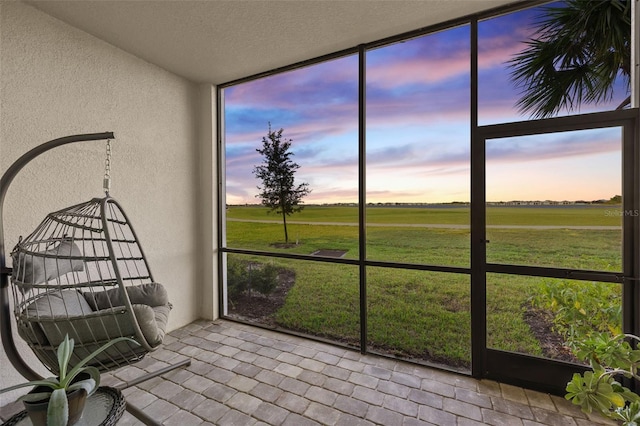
column 422, row 314
column 599, row 215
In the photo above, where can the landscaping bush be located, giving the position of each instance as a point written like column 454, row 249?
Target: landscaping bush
column 580, row 309
column 245, row 276
column 263, row 278
column 611, row 359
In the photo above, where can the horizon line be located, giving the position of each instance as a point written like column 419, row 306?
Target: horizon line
column 426, row 203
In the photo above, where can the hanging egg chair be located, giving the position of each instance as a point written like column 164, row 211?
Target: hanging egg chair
column 83, row 273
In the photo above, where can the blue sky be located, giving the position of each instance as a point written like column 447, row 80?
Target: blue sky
column 418, row 121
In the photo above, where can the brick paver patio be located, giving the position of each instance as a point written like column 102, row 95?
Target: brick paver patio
column 243, row 375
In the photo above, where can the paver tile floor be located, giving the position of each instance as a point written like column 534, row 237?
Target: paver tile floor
column 243, row 375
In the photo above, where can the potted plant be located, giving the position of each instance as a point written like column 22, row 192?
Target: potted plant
column 610, row 357
column 59, row 401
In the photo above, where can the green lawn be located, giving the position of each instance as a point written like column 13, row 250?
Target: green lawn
column 597, row 215
column 423, row 314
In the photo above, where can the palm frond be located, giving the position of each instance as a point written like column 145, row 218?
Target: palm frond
column 578, row 53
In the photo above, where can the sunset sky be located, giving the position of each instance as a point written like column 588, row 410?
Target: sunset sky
column 418, row 121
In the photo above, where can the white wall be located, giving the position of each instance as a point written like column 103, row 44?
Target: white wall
column 56, row 80
column 207, row 202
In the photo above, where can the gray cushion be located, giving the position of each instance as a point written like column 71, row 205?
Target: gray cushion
column 49, row 318
column 90, row 331
column 108, row 324
column 59, row 304
column 152, row 322
column 47, row 265
column 88, row 324
column 151, row 294
column 150, row 304
column 37, row 321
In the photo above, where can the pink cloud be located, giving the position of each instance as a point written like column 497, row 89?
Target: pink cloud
column 332, row 195
column 286, row 89
column 567, row 145
column 419, row 71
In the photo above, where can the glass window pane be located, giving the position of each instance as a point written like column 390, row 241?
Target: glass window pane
column 418, row 163
column 536, row 315
column 422, row 316
column 319, row 239
column 294, row 295
column 555, row 200
column 317, row 109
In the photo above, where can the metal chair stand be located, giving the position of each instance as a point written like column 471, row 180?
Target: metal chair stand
column 41, row 349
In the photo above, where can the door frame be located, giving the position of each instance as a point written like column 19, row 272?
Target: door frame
column 525, row 370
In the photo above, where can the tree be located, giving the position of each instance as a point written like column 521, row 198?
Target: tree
column 278, row 191
column 579, row 50
column 616, row 199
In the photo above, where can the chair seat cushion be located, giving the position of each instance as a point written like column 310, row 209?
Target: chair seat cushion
column 150, row 294
column 59, row 304
column 50, row 317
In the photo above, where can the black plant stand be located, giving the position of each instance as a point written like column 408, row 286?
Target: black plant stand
column 104, row 408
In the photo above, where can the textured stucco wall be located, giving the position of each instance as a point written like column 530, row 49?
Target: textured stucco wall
column 207, row 203
column 56, row 80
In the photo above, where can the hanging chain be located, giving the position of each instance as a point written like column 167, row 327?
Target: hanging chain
column 106, row 182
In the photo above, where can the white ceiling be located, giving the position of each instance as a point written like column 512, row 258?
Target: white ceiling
column 217, row 41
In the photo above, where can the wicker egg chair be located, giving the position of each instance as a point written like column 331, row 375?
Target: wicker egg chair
column 82, row 273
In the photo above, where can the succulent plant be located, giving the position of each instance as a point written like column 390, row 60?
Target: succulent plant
column 58, row 408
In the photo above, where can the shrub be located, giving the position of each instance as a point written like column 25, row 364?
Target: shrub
column 263, row 278
column 598, row 390
column 589, row 316
column 236, row 282
column 580, row 309
column 245, row 276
